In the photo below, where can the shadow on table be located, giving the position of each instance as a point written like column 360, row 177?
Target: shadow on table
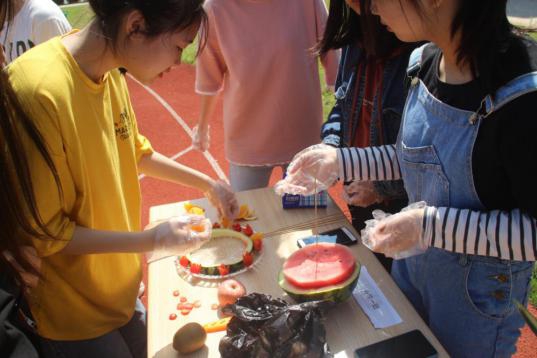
column 169, row 352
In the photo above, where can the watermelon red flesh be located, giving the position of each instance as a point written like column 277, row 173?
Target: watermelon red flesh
column 319, row 265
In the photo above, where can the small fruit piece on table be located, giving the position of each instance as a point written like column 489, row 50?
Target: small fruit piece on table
column 217, row 326
column 189, row 338
column 194, row 209
column 229, row 291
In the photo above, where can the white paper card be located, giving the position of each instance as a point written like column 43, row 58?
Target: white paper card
column 373, row 302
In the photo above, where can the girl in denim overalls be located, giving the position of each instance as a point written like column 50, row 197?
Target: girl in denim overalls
column 467, row 148
column 370, row 96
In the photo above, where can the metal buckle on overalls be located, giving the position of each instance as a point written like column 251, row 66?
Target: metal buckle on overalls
column 341, row 91
column 482, row 110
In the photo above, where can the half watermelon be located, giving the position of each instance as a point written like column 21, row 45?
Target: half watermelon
column 320, row 271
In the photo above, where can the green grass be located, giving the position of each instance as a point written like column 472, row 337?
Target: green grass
column 78, row 15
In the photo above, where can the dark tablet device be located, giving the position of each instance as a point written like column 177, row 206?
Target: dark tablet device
column 412, row 344
column 340, row 235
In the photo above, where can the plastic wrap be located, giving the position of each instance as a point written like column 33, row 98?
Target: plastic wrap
column 266, row 327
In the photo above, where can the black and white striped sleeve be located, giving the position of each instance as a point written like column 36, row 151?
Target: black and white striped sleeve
column 369, row 164
column 510, row 235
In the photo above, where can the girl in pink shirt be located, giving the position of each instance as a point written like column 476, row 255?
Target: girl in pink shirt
column 259, row 54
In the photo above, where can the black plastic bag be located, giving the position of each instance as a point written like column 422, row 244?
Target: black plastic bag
column 267, row 327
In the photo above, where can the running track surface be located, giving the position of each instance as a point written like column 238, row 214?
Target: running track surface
column 166, row 113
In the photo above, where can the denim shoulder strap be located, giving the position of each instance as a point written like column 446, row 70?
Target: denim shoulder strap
column 414, row 62
column 515, row 88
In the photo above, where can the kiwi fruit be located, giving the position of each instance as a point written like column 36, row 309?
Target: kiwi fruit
column 189, row 338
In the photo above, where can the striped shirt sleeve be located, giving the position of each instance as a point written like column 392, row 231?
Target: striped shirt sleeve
column 369, row 164
column 509, row 235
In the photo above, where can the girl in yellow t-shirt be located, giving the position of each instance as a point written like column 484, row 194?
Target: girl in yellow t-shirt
column 74, row 90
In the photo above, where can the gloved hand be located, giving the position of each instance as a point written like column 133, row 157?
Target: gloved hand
column 399, row 235
column 361, row 193
column 179, row 235
column 201, row 138
column 312, row 170
column 223, row 198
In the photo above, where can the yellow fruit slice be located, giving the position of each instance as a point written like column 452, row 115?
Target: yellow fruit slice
column 245, row 213
column 217, row 326
column 194, row 209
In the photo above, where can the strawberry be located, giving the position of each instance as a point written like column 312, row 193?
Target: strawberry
column 223, row 269
column 237, row 227
column 195, row 268
column 248, row 231
column 258, row 244
column 183, row 261
column 216, row 226
column 247, row 259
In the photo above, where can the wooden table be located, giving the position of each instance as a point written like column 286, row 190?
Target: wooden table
column 347, row 326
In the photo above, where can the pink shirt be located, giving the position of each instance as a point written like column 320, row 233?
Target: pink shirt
column 259, row 54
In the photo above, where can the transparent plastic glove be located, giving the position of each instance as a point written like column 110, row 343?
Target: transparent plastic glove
column 179, row 235
column 361, row 193
column 223, row 198
column 312, row 170
column 399, row 235
column 201, row 138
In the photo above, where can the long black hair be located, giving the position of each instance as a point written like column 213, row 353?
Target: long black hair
column 344, row 27
column 161, row 16
column 19, row 215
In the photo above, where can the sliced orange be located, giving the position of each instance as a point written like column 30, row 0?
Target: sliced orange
column 197, row 228
column 226, row 223
column 245, row 213
column 257, row 236
column 194, row 209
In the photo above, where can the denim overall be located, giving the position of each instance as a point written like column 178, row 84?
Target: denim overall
column 467, row 300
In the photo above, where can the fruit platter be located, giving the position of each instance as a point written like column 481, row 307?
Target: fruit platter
column 321, row 271
column 233, row 248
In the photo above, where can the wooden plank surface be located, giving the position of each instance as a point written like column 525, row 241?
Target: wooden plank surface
column 346, row 324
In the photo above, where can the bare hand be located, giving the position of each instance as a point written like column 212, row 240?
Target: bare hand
column 201, row 138
column 223, row 198
column 29, row 279
column 361, row 193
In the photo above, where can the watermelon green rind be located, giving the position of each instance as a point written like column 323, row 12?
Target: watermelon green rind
column 217, row 233
column 336, row 293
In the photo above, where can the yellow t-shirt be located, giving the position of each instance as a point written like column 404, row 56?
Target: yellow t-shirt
column 91, row 132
